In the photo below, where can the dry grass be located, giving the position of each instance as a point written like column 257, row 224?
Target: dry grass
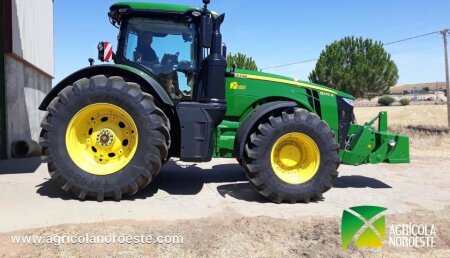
column 435, row 115
column 425, row 125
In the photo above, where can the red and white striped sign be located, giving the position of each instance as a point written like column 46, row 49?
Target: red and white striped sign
column 108, row 51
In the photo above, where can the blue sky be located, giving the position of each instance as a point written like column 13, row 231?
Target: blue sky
column 280, row 32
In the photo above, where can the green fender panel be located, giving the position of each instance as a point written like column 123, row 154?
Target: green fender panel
column 147, row 82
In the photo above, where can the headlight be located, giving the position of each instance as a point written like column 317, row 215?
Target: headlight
column 351, row 102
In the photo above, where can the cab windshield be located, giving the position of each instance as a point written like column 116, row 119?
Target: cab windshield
column 166, row 48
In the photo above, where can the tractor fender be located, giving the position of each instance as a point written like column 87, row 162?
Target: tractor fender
column 147, row 82
column 257, row 114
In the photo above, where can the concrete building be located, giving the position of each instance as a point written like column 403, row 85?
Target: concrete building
column 26, row 68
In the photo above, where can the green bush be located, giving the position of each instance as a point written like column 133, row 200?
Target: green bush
column 405, row 102
column 386, row 101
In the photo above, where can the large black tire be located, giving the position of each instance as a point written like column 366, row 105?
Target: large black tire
column 152, row 145
column 257, row 156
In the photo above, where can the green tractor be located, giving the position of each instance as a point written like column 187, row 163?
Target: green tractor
column 110, row 128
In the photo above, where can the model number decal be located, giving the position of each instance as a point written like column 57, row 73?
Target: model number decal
column 326, row 94
column 238, row 75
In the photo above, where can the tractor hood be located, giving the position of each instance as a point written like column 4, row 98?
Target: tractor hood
column 255, row 75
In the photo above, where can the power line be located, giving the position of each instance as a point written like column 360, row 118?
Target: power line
column 411, row 38
column 283, row 65
column 385, row 44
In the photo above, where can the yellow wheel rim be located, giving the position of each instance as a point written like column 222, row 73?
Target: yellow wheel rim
column 101, row 139
column 295, row 158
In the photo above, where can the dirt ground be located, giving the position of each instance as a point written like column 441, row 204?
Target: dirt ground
column 229, row 235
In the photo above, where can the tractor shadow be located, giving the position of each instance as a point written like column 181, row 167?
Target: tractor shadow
column 359, row 182
column 245, row 191
column 51, row 189
column 241, row 191
column 176, row 179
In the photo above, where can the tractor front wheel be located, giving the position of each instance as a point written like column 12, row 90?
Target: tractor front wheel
column 104, row 138
column 292, row 157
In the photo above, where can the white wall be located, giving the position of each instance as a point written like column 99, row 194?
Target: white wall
column 32, row 26
column 25, row 89
column 26, row 86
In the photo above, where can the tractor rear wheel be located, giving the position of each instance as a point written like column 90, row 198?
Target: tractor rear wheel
column 292, row 157
column 104, row 138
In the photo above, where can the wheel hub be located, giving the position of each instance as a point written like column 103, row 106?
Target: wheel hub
column 101, row 139
column 295, row 158
column 105, row 137
column 289, row 155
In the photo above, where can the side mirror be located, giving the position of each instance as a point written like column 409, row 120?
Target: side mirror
column 105, row 52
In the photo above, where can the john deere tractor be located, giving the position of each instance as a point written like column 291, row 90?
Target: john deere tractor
column 110, row 128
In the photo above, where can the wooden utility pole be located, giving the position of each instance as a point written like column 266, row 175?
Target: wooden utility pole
column 444, row 35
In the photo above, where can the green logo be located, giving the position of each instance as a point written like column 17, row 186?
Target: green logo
column 365, row 226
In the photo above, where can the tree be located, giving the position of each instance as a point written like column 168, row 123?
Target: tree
column 242, row 62
column 357, row 66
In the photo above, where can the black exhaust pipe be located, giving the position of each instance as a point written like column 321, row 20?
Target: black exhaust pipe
column 214, row 68
column 213, row 76
column 25, row 149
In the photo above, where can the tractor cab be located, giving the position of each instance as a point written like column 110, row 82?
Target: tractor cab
column 166, row 49
column 170, row 42
column 181, row 48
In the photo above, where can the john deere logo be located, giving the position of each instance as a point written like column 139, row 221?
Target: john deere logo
column 364, row 226
column 236, row 86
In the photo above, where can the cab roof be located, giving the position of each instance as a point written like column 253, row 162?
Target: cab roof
column 156, row 7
